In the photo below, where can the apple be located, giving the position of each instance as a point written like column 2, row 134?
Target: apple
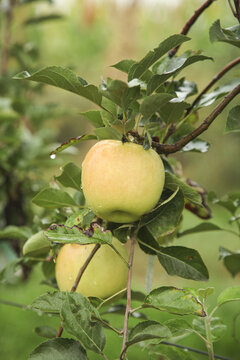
column 121, row 181
column 104, row 276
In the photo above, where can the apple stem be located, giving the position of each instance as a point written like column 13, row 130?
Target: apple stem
column 128, row 305
column 78, row 278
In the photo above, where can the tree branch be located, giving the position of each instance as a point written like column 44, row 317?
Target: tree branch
column 190, row 22
column 213, row 81
column 78, row 278
column 128, row 306
column 193, row 350
column 172, row 148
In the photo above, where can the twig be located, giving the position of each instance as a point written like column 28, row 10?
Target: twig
column 172, row 148
column 128, row 305
column 213, row 81
column 6, row 37
column 21, row 306
column 190, row 22
column 193, row 350
column 78, row 278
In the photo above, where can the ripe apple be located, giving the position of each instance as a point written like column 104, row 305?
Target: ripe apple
column 104, row 276
column 121, row 181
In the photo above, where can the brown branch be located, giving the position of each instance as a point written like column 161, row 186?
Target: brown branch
column 78, row 278
column 128, row 305
column 172, row 148
column 190, row 22
column 213, row 81
column 6, row 37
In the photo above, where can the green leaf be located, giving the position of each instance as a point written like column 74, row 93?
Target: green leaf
column 9, row 274
column 71, row 142
column 231, row 260
column 229, row 294
column 210, row 98
column 36, row 246
column 154, row 103
column 230, row 201
column 121, row 93
column 178, row 327
column 217, row 327
column 174, row 66
column 233, row 120
column 183, row 262
column 172, row 111
column 206, row 292
column 173, row 182
column 138, row 69
column 94, row 117
column 148, row 330
column 175, row 301
column 65, row 79
column 59, row 349
column 77, row 321
column 53, row 198
column 164, row 352
column 62, row 234
column 46, row 332
column 205, row 226
column 41, row 19
column 197, row 145
column 165, row 218
column 124, row 65
column 15, row 232
column 229, row 35
column 108, row 133
column 71, row 176
column 82, row 217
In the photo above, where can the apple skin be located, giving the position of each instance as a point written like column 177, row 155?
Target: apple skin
column 104, row 276
column 121, row 181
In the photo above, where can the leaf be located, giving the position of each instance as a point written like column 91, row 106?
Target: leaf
column 210, row 98
column 206, row 292
column 41, row 19
column 231, row 260
column 15, row 232
column 45, row 331
column 230, row 201
column 138, row 69
column 76, row 320
column 164, row 352
column 183, row 262
column 229, row 35
column 51, row 303
column 65, row 79
column 82, row 217
column 108, row 133
column 197, row 145
column 148, row 330
column 53, row 198
column 71, row 142
column 178, row 327
column 175, row 301
column 36, row 246
column 217, row 327
column 9, row 274
column 154, row 103
column 173, row 182
column 205, row 226
column 121, row 93
column 233, row 120
column 175, row 65
column 172, row 111
column 147, row 143
column 229, row 294
column 94, row 117
column 71, row 176
column 165, row 218
column 124, row 65
column 62, row 234
column 59, row 349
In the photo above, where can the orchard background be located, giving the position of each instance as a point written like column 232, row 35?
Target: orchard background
column 88, row 36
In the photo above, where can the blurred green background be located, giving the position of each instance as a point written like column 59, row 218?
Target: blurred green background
column 91, row 36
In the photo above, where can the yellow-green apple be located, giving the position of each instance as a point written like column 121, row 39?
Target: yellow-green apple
column 105, row 275
column 121, row 181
